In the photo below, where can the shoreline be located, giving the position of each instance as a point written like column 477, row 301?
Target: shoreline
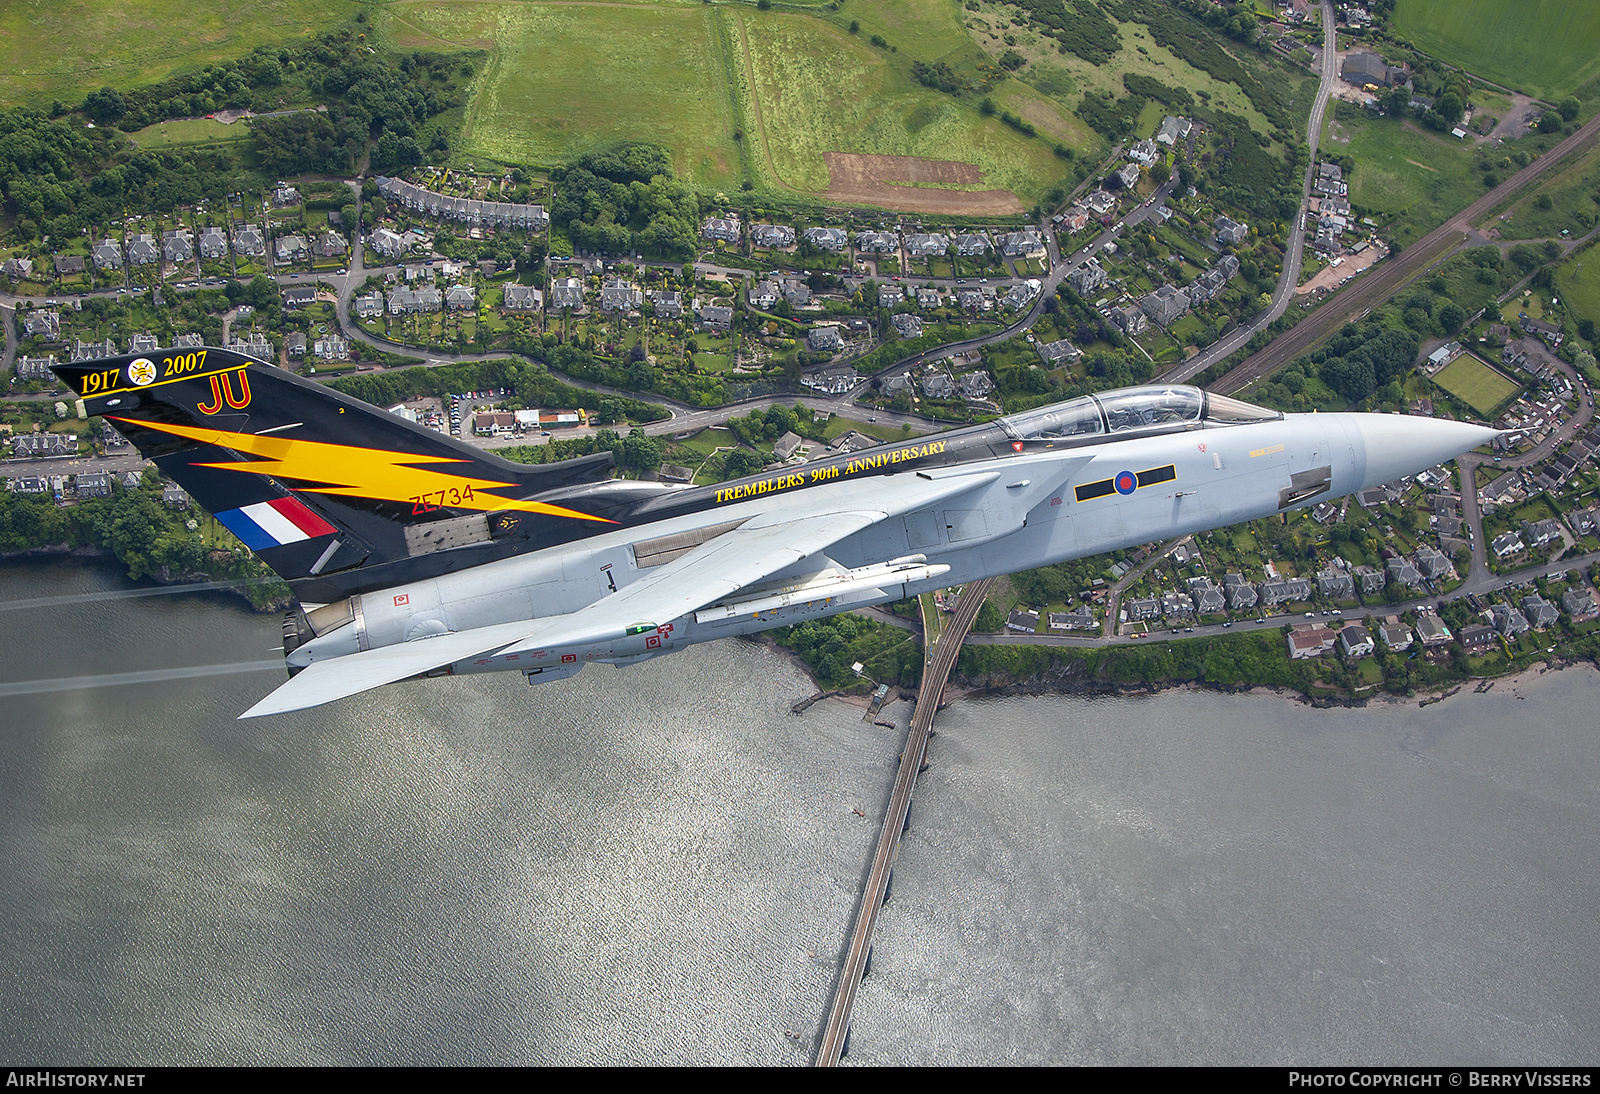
column 99, row 556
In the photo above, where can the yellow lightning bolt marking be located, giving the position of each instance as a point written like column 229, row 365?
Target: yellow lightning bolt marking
column 361, row 472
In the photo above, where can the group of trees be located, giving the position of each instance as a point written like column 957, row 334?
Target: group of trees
column 626, row 200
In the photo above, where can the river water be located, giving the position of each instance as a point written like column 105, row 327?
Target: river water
column 659, row 864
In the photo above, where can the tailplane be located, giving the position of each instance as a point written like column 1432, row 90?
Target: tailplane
column 328, row 490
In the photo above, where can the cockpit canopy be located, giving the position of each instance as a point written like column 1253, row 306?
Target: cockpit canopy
column 1133, row 409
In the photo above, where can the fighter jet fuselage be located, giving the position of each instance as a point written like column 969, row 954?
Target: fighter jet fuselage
column 415, row 555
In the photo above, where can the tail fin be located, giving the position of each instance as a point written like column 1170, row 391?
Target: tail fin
column 325, row 488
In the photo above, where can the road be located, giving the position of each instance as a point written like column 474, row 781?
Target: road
column 1294, row 255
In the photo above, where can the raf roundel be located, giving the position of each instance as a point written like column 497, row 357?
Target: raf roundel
column 1126, row 482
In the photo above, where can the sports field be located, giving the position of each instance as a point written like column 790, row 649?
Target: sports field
column 1476, row 384
column 1546, row 48
column 66, row 48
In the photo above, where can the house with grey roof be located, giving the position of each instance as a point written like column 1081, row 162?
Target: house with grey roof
column 1080, row 618
column 248, row 241
column 926, row 244
column 890, row 295
column 409, row 301
column 1431, row 563
column 929, row 297
column 460, row 298
column 936, row 384
column 299, row 296
column 1397, row 636
column 1539, row 611
column 1166, row 305
column 714, row 317
column 1356, row 641
column 1578, row 604
column 1175, row 605
column 825, row 339
column 620, row 296
column 1086, row 278
column 107, row 254
column 975, row 385
column 1400, row 569
column 1172, row 130
column 1361, row 68
column 969, row 244
column 1057, row 353
column 1025, row 243
column 763, row 295
column 1285, row 590
column 723, row 229
column 1506, row 544
column 292, row 248
column 1230, row 231
column 143, row 342
column 90, row 351
column 1130, row 320
column 1021, row 294
column 796, row 292
column 40, row 323
column 907, row 325
column 875, row 242
column 294, row 343
column 1336, row 584
column 787, row 446
column 1140, row 611
column 1540, row 533
column 772, row 235
column 177, row 245
column 388, row 244
column 566, row 292
column 143, row 250
column 976, row 298
column 93, row 484
column 1508, row 621
column 826, row 239
column 213, row 244
column 1144, row 153
column 189, row 341
column 369, row 306
column 668, row 304
column 1127, row 175
column 1431, row 631
column 69, row 265
column 837, row 381
column 1209, row 598
column 37, row 446
column 16, row 268
column 1241, row 594
column 35, row 368
column 332, row 348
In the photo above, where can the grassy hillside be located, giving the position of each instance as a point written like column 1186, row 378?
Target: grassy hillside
column 568, row 79
column 63, row 49
column 1547, row 48
column 736, row 92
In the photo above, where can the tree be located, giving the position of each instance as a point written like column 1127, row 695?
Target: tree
column 1569, row 108
column 105, row 106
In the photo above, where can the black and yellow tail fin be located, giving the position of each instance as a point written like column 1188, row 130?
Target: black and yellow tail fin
column 330, row 491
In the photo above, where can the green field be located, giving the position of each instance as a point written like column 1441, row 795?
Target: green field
column 1578, row 282
column 1573, row 206
column 1403, row 172
column 1476, row 384
column 568, row 79
column 1547, row 48
column 188, row 131
column 66, row 48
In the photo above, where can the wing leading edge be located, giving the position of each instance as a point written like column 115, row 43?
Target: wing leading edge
column 760, row 547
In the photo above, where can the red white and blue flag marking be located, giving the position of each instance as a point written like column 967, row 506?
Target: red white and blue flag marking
column 275, row 523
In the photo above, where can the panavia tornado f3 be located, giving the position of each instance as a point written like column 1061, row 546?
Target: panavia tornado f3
column 413, row 555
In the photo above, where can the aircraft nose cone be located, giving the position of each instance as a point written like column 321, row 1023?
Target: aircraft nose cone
column 1400, row 444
